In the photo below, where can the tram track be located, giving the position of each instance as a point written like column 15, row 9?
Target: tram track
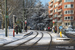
column 29, row 48
column 48, row 46
column 23, row 46
column 50, row 41
column 17, row 39
column 16, row 47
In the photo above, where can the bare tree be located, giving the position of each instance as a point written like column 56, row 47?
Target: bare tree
column 15, row 7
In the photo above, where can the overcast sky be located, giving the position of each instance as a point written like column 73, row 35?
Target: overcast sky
column 44, row 1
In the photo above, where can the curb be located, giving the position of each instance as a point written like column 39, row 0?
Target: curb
column 63, row 39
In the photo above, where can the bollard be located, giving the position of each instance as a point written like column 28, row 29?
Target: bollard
column 13, row 33
column 60, row 33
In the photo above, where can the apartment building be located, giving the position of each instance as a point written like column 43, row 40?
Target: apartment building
column 62, row 12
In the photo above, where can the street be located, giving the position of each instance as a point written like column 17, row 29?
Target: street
column 37, row 25
column 40, row 40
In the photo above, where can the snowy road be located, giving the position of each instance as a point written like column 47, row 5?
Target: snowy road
column 37, row 38
column 44, row 41
column 27, row 42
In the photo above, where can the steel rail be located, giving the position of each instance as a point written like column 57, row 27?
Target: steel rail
column 50, row 41
column 15, row 40
column 35, row 42
column 23, row 42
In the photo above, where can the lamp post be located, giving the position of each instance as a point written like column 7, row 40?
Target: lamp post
column 14, row 21
column 53, row 26
column 6, row 18
column 23, row 15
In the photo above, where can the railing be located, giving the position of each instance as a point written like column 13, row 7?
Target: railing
column 60, row 15
column 51, row 9
column 59, row 21
column 51, row 18
column 60, row 4
column 51, row 4
column 51, row 13
column 59, row 10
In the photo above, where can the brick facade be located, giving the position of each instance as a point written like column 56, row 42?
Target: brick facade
column 56, row 12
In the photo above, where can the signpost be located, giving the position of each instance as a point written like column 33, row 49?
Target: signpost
column 6, row 18
column 60, row 27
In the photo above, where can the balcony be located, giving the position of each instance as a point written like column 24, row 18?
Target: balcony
column 58, row 0
column 51, row 13
column 60, row 4
column 60, row 15
column 51, row 4
column 51, row 18
column 51, row 9
column 59, row 10
column 59, row 21
column 55, row 20
column 51, row 1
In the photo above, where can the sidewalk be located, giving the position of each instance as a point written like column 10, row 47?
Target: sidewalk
column 57, row 35
column 57, row 39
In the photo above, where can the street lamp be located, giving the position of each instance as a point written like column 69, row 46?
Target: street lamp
column 6, row 18
column 53, row 25
column 14, row 21
column 23, row 15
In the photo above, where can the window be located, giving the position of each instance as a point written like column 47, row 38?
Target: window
column 72, row 18
column 55, row 1
column 66, row 24
column 72, row 5
column 68, row 18
column 69, row 12
column 68, row 6
column 68, row 0
column 65, row 12
column 71, row 23
column 65, row 18
column 54, row 6
column 65, row 6
column 55, row 15
column 54, row 11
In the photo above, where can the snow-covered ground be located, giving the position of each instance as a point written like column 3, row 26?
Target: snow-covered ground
column 4, row 39
column 59, row 40
column 70, row 31
column 45, row 40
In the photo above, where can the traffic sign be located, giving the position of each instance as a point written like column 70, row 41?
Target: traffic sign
column 60, row 27
column 7, row 16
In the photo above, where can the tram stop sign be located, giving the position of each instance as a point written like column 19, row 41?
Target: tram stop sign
column 60, row 27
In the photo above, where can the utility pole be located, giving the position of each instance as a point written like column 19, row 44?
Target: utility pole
column 13, row 22
column 6, row 18
column 23, row 15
